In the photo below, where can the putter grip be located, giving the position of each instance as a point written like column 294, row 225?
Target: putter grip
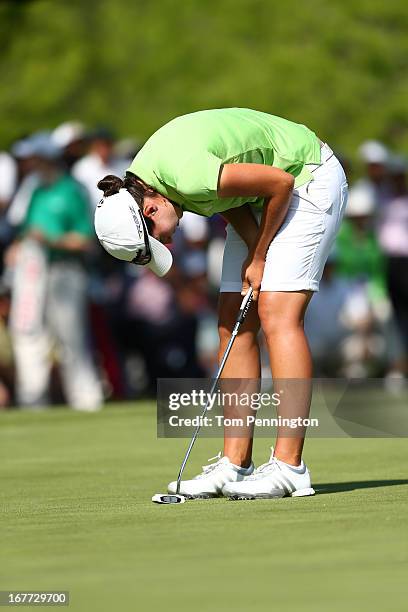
column 246, row 303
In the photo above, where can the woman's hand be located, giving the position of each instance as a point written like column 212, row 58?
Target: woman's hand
column 252, row 273
column 275, row 186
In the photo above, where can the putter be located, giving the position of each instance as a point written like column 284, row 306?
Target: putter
column 169, row 498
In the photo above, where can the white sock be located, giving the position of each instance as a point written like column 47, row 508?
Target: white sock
column 295, row 468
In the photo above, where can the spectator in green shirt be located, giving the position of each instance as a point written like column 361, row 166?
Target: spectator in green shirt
column 49, row 301
column 358, row 254
column 59, row 214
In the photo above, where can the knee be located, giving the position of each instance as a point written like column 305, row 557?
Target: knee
column 247, row 335
column 274, row 322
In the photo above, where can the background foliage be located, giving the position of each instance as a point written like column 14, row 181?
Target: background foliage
column 339, row 66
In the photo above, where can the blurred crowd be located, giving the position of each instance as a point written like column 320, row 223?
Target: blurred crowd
column 358, row 322
column 78, row 327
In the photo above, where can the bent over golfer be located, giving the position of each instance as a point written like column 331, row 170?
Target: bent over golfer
column 283, row 194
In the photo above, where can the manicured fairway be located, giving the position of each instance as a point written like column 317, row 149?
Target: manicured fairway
column 76, row 515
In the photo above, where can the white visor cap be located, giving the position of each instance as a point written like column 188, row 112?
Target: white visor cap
column 122, row 232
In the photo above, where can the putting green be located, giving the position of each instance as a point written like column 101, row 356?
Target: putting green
column 76, row 515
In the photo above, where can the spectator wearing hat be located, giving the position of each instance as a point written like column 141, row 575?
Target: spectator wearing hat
column 360, row 261
column 359, row 256
column 49, row 302
column 8, row 184
column 69, row 137
column 375, row 158
column 25, row 152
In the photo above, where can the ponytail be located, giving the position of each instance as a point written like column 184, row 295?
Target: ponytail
column 110, row 185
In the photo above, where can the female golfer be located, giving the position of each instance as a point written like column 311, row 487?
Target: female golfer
column 283, row 194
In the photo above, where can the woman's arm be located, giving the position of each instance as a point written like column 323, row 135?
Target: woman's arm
column 276, row 186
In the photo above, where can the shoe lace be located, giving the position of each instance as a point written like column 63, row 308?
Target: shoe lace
column 211, row 468
column 264, row 468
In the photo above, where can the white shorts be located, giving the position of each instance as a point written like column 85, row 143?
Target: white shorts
column 298, row 253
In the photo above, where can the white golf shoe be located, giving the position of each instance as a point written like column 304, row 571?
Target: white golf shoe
column 212, row 479
column 270, row 480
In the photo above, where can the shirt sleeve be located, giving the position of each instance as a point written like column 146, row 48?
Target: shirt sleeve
column 195, row 178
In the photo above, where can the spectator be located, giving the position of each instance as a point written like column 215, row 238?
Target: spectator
column 324, row 325
column 7, row 374
column 158, row 324
column 375, row 157
column 344, row 334
column 8, row 179
column 49, row 289
column 25, row 151
column 98, row 162
column 124, row 153
column 8, row 185
column 359, row 260
column 70, row 138
column 393, row 238
column 359, row 256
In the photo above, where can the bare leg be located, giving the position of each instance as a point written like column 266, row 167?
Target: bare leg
column 243, row 362
column 281, row 315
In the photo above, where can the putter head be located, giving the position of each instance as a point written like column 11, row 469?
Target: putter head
column 168, row 498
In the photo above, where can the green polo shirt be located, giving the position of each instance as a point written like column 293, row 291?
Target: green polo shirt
column 57, row 209
column 182, row 160
column 358, row 256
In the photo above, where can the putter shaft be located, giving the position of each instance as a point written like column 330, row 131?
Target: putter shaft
column 243, row 310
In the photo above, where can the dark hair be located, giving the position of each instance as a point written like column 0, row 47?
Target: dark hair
column 111, row 184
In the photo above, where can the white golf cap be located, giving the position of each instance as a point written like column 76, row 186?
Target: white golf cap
column 122, row 231
column 67, row 133
column 361, row 201
column 373, row 152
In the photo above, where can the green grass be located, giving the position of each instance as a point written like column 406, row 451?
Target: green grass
column 76, row 515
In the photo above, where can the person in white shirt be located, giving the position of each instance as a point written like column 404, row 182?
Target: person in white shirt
column 96, row 164
column 8, row 175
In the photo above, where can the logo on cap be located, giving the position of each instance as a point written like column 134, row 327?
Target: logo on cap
column 137, row 221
